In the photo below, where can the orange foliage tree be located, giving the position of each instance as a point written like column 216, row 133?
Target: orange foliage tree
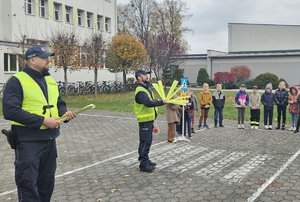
column 125, row 54
column 241, row 73
column 67, row 56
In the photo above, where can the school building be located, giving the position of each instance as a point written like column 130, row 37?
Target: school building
column 41, row 19
column 261, row 47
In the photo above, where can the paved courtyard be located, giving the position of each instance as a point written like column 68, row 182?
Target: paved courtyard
column 97, row 161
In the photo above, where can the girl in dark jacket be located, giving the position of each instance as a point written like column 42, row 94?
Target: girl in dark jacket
column 281, row 98
column 268, row 100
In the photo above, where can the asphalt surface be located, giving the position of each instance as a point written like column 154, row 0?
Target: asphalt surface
column 97, row 161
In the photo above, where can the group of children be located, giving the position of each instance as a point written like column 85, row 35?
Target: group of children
column 281, row 98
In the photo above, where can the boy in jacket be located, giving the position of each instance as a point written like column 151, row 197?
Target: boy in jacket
column 254, row 108
column 205, row 100
column 241, row 100
column 268, row 100
column 218, row 102
column 281, row 98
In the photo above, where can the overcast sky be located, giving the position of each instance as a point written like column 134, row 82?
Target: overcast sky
column 211, row 17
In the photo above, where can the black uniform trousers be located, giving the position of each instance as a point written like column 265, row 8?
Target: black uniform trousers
column 281, row 109
column 35, row 166
column 145, row 133
column 255, row 117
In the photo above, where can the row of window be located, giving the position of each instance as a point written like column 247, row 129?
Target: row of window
column 69, row 11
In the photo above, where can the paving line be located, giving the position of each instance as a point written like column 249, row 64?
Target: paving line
column 239, row 174
column 194, row 163
column 85, row 167
column 271, row 179
column 220, row 165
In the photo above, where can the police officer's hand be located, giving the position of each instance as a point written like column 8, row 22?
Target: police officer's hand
column 165, row 101
column 51, row 123
column 71, row 115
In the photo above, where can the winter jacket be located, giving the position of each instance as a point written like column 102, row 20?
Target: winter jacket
column 294, row 105
column 268, row 100
column 255, row 100
column 195, row 102
column 241, row 98
column 173, row 113
column 218, row 100
column 281, row 97
column 205, row 98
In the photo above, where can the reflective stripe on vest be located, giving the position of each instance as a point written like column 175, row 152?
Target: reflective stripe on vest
column 143, row 113
column 34, row 100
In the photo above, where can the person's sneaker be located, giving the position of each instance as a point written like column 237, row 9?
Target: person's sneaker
column 256, row 127
column 147, row 168
column 193, row 131
column 266, row 127
column 294, row 128
column 296, row 131
column 278, row 127
column 222, row 126
column 291, row 128
column 239, row 126
column 206, row 126
column 283, row 127
column 270, row 127
column 216, row 126
column 199, row 126
column 151, row 163
column 190, row 137
column 242, row 126
column 252, row 127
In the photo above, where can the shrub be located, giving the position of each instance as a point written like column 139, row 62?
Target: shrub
column 225, row 78
column 250, row 84
column 178, row 74
column 211, row 82
column 202, row 77
column 242, row 73
column 263, row 79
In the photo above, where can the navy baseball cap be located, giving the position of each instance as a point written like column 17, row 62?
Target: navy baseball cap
column 243, row 85
column 140, row 71
column 37, row 51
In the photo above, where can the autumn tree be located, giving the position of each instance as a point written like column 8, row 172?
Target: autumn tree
column 92, row 53
column 224, row 77
column 242, row 73
column 67, row 54
column 124, row 54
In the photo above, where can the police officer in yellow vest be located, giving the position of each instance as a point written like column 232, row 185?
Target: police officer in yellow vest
column 145, row 109
column 31, row 101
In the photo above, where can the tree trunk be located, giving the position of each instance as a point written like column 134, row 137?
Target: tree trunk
column 66, row 81
column 124, row 81
column 96, row 81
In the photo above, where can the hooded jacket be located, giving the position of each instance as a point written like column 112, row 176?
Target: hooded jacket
column 241, row 98
column 281, row 97
column 294, row 105
column 268, row 98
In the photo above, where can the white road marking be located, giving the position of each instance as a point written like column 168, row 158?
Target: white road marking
column 219, row 165
column 271, row 179
column 85, row 167
column 194, row 163
column 250, row 166
column 155, row 151
column 115, row 117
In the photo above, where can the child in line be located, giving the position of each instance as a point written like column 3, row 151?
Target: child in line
column 173, row 118
column 294, row 106
column 196, row 108
column 268, row 100
column 219, row 102
column 241, row 100
column 254, row 102
column 281, row 98
column 188, row 116
column 205, row 99
column 298, row 122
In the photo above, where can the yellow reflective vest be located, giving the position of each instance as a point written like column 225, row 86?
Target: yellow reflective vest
column 34, row 100
column 143, row 113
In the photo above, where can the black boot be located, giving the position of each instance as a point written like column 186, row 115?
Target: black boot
column 278, row 126
column 193, row 131
column 283, row 126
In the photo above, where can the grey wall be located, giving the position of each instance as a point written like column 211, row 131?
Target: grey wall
column 191, row 68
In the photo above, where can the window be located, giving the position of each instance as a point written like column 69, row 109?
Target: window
column 10, row 62
column 99, row 22
column 80, row 14
column 89, row 17
column 69, row 14
column 42, row 8
column 107, row 24
column 57, row 11
column 28, row 6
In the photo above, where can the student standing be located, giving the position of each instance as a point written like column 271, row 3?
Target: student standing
column 173, row 118
column 268, row 100
column 281, row 98
column 218, row 102
column 196, row 108
column 205, row 100
column 294, row 106
column 241, row 100
column 298, row 122
column 254, row 102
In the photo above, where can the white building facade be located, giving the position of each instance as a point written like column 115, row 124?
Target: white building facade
column 263, row 48
column 41, row 19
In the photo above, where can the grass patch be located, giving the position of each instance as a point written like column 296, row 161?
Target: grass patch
column 123, row 102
